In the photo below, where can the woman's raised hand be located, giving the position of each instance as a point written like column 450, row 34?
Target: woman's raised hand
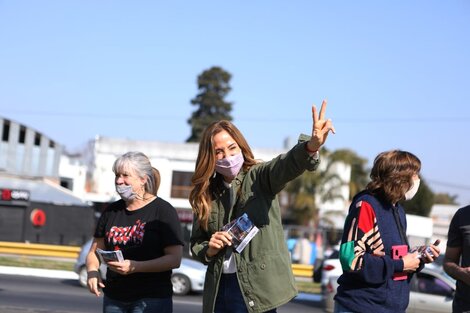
column 321, row 128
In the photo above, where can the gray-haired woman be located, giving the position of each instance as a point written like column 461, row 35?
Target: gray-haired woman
column 147, row 231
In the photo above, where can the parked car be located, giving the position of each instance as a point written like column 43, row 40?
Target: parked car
column 80, row 265
column 329, row 267
column 189, row 277
column 432, row 291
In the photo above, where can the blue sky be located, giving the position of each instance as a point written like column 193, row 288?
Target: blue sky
column 396, row 74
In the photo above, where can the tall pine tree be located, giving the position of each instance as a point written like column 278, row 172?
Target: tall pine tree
column 213, row 85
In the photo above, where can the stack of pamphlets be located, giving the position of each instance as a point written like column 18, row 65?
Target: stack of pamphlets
column 242, row 231
column 106, row 256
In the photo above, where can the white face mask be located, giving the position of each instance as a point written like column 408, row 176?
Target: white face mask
column 126, row 192
column 413, row 190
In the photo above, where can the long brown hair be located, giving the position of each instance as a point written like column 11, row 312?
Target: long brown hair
column 392, row 174
column 203, row 178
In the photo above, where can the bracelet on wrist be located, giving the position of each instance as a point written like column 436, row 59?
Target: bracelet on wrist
column 93, row 274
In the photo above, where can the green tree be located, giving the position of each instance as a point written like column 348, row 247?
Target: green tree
column 359, row 172
column 422, row 202
column 213, row 85
column 445, row 198
column 304, row 189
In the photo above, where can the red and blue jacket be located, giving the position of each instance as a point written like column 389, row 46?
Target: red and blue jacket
column 367, row 284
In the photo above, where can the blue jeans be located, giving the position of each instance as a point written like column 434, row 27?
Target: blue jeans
column 341, row 309
column 229, row 297
column 146, row 305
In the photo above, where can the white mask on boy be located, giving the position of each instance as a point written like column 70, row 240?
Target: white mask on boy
column 413, row 190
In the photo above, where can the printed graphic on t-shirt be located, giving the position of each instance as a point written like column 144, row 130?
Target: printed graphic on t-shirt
column 122, row 235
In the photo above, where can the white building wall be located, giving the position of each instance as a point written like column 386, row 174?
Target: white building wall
column 72, row 168
column 343, row 171
column 166, row 168
column 169, row 157
column 12, row 155
column 3, row 156
column 419, row 229
column 93, row 178
column 28, row 151
column 166, row 157
column 335, row 210
column 27, row 159
column 103, row 176
column 441, row 215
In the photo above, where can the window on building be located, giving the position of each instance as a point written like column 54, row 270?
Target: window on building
column 22, row 137
column 181, row 184
column 66, row 183
column 51, row 144
column 6, row 130
column 37, row 139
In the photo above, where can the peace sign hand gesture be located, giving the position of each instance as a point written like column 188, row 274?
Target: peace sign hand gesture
column 321, row 128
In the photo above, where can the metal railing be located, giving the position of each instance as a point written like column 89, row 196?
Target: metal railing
column 34, row 249
column 302, row 270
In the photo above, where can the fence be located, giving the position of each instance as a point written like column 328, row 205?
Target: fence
column 34, row 249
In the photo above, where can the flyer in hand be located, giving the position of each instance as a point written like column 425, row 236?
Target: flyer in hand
column 106, row 256
column 242, row 231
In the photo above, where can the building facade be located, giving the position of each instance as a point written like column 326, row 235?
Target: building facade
column 87, row 176
column 34, row 205
column 25, row 151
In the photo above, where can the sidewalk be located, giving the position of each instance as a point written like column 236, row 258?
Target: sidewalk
column 311, row 297
column 37, row 272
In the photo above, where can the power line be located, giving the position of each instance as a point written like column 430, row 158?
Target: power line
column 352, row 120
column 446, row 184
column 96, row 115
column 431, row 119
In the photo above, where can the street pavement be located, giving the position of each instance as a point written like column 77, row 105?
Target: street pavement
column 26, row 271
column 61, row 274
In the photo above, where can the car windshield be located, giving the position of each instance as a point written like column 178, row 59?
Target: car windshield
column 433, row 285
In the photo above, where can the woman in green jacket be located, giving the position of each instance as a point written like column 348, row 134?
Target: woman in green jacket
column 229, row 183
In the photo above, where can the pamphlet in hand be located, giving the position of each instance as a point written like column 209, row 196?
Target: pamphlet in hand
column 106, row 256
column 242, row 231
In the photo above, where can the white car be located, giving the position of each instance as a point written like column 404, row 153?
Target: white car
column 80, row 265
column 330, row 267
column 189, row 277
column 432, row 291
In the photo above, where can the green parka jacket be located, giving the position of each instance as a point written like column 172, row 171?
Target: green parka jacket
column 263, row 268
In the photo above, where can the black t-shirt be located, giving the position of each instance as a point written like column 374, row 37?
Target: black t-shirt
column 459, row 236
column 141, row 235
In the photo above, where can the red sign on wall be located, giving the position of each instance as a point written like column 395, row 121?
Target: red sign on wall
column 7, row 194
column 38, row 217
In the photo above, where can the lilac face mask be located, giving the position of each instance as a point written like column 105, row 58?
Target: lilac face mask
column 230, row 166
